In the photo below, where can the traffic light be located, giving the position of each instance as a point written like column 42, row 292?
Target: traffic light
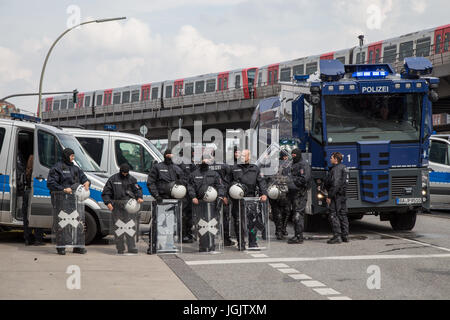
column 75, row 96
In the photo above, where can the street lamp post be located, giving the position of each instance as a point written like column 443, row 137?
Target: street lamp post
column 53, row 45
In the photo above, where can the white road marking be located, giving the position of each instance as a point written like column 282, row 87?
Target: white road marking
column 300, row 277
column 289, row 270
column 339, row 298
column 278, row 265
column 413, row 241
column 259, row 255
column 344, row 258
column 312, row 283
column 326, row 291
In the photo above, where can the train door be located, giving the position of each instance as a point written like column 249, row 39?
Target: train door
column 441, row 39
column 272, row 74
column 80, row 101
column 145, row 92
column 222, row 80
column 375, row 53
column 48, row 104
column 178, row 88
column 107, row 98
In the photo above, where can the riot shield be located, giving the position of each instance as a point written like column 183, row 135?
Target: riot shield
column 207, row 219
column 124, row 229
column 165, row 232
column 254, row 215
column 68, row 230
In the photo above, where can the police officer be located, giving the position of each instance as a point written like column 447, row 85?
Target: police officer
column 199, row 181
column 250, row 177
column 281, row 206
column 224, row 171
column 187, row 169
column 119, row 188
column 336, row 184
column 61, row 178
column 162, row 176
column 298, row 189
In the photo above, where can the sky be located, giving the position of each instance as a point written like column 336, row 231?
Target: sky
column 170, row 39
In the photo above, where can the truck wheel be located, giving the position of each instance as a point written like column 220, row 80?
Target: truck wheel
column 90, row 228
column 312, row 222
column 404, row 222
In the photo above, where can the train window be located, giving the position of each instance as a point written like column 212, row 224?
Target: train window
column 260, row 79
column 199, row 87
column 389, row 54
column 71, row 104
column 99, row 100
column 377, row 55
column 446, row 41
column 361, row 58
column 423, row 47
column 155, row 93
column 225, row 83
column 438, row 44
column 341, row 59
column 135, row 96
column 189, row 89
column 211, row 85
column 285, row 74
column 237, row 82
column 370, row 56
column 87, row 101
column 275, row 76
column 63, row 104
column 126, row 97
column 311, row 67
column 298, row 69
column 169, row 92
column 56, row 105
column 406, row 50
column 358, row 58
column 116, row 98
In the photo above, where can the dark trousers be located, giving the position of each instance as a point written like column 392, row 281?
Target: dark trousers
column 280, row 213
column 187, row 222
column 226, row 221
column 125, row 217
column 338, row 216
column 239, row 224
column 27, row 231
column 298, row 208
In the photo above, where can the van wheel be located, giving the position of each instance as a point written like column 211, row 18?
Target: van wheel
column 90, row 228
column 404, row 222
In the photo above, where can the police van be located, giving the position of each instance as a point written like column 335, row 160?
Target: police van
column 439, row 164
column 24, row 136
column 110, row 149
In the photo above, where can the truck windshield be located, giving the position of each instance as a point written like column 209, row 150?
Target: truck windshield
column 360, row 118
column 83, row 160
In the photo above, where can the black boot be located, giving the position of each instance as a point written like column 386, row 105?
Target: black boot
column 296, row 240
column 61, row 251
column 79, row 250
column 345, row 239
column 227, row 242
column 334, row 240
column 279, row 235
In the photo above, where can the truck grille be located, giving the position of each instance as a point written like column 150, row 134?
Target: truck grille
column 399, row 184
column 352, row 190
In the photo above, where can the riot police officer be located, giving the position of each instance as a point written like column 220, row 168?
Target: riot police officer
column 336, row 185
column 119, row 188
column 63, row 176
column 298, row 188
column 161, row 179
column 250, row 177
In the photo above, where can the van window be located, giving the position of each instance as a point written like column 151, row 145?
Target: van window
column 135, row 155
column 439, row 152
column 49, row 149
column 2, row 137
column 93, row 146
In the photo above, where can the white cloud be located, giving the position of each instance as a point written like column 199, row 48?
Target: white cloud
column 11, row 68
column 419, row 6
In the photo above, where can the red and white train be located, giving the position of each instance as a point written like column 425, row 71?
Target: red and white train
column 432, row 43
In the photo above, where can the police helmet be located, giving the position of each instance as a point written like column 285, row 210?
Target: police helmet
column 237, row 191
column 178, row 191
column 80, row 192
column 210, row 194
column 132, row 206
column 274, row 192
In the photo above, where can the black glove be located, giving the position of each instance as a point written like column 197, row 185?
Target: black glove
column 159, row 199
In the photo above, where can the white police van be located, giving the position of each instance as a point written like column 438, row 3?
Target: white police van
column 110, row 149
column 45, row 143
column 439, row 164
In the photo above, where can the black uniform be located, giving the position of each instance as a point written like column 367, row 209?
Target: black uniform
column 298, row 190
column 117, row 191
column 159, row 181
column 187, row 207
column 250, row 176
column 336, row 184
column 64, row 174
column 224, row 171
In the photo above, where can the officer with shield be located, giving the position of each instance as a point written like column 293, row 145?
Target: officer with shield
column 204, row 187
column 298, row 187
column 246, row 177
column 165, row 181
column 123, row 196
column 64, row 182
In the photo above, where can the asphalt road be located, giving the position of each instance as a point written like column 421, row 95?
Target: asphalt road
column 378, row 263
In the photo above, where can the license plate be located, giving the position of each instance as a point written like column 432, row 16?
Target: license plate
column 408, row 201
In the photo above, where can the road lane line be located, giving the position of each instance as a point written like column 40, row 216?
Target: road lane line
column 326, row 291
column 278, row 265
column 339, row 298
column 413, row 241
column 300, row 277
column 312, row 283
column 337, row 258
column 259, row 255
column 289, row 270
